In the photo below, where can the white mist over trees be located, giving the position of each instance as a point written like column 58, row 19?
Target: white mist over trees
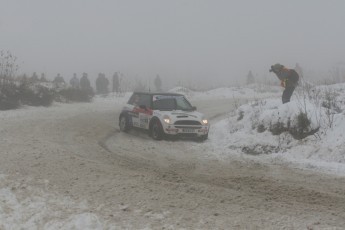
column 198, row 42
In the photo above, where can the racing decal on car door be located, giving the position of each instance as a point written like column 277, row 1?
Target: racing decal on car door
column 143, row 116
column 139, row 110
column 144, row 120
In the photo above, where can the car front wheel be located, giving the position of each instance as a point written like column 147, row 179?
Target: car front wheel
column 203, row 137
column 157, row 130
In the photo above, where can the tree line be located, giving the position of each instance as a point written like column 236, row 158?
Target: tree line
column 39, row 91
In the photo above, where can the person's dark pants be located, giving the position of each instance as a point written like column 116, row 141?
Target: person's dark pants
column 287, row 94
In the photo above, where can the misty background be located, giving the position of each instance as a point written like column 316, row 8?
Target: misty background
column 190, row 42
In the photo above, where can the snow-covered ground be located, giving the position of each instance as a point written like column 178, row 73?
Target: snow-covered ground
column 243, row 134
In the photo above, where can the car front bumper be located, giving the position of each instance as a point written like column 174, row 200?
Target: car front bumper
column 187, row 130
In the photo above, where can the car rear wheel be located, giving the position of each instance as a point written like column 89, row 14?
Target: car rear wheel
column 157, row 130
column 124, row 123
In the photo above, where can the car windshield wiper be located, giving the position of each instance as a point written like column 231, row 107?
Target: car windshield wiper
column 165, row 109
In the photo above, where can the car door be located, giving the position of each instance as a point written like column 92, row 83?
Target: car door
column 134, row 112
column 145, row 112
column 142, row 111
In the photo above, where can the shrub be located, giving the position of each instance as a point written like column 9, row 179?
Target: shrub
column 9, row 96
column 75, row 95
column 261, row 128
column 300, row 129
column 36, row 95
column 277, row 128
column 240, row 115
column 303, row 121
column 12, row 95
column 260, row 149
column 303, row 128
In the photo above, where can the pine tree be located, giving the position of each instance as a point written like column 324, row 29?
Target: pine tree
column 34, row 78
column 250, row 78
column 43, row 78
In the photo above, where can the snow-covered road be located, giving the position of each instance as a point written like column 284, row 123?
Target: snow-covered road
column 69, row 167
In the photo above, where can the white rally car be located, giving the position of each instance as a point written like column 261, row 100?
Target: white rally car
column 163, row 114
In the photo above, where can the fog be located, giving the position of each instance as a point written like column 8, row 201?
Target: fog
column 189, row 41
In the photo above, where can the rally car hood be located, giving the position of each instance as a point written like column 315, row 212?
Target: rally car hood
column 183, row 115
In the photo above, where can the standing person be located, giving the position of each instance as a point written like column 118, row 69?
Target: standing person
column 84, row 82
column 59, row 81
column 116, row 83
column 288, row 79
column 74, row 81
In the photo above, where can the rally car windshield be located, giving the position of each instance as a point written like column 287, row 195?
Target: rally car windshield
column 164, row 102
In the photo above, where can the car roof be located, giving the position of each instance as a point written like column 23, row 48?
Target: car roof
column 158, row 93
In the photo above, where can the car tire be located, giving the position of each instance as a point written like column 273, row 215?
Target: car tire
column 157, row 130
column 124, row 123
column 203, row 137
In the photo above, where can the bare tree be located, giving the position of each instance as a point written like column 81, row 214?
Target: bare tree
column 116, row 83
column 8, row 66
column 158, row 83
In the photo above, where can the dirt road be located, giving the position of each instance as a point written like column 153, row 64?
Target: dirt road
column 130, row 181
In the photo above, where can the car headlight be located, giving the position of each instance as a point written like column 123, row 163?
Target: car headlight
column 205, row 121
column 166, row 119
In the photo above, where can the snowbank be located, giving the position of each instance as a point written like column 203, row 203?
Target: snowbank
column 250, row 130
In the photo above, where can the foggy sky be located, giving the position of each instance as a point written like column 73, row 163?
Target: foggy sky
column 177, row 39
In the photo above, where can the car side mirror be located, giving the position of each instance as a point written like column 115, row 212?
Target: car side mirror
column 143, row 107
column 194, row 107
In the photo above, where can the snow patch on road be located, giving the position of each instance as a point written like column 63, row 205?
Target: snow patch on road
column 25, row 207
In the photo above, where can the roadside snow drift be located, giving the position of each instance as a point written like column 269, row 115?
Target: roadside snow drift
column 308, row 131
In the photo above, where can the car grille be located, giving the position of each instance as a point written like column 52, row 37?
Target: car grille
column 187, row 122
